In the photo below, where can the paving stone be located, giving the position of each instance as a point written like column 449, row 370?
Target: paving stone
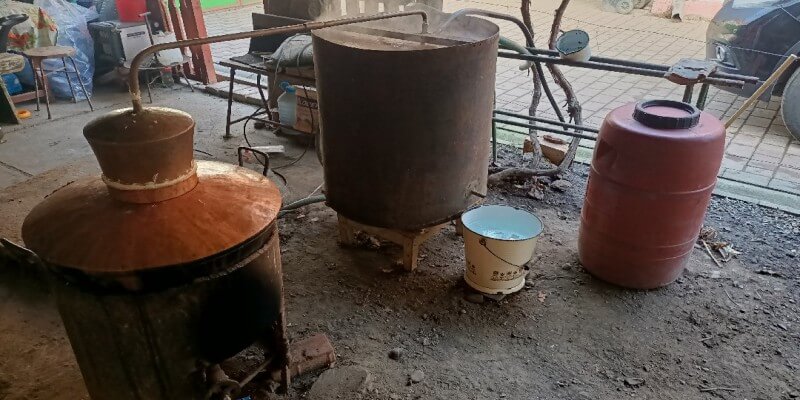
column 788, row 174
column 758, row 121
column 746, row 177
column 733, row 162
column 791, row 160
column 790, row 186
column 764, row 113
column 770, row 165
column 768, row 172
column 740, row 150
column 752, row 130
column 746, row 140
column 776, row 139
column 770, row 150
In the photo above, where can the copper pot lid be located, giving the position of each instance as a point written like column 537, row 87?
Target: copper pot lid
column 80, row 226
column 154, row 206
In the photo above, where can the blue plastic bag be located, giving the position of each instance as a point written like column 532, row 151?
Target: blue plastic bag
column 12, row 84
column 73, row 32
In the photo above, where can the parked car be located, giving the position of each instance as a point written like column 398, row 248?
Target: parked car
column 753, row 37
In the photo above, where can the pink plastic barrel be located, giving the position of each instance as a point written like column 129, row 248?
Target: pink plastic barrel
column 129, row 10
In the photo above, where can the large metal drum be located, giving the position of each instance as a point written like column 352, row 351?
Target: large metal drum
column 654, row 169
column 405, row 119
column 164, row 266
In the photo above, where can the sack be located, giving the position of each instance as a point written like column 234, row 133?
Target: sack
column 73, row 32
column 295, row 51
column 12, row 84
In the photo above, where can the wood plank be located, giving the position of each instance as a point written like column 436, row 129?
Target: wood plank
column 8, row 113
column 27, row 96
column 410, row 240
column 195, row 27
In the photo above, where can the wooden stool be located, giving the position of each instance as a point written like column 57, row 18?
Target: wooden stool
column 39, row 54
column 410, row 240
column 9, row 64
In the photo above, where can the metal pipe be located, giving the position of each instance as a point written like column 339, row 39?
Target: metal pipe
column 491, row 14
column 687, row 93
column 763, row 88
column 547, row 121
column 646, row 65
column 528, row 42
column 133, row 79
column 545, row 129
column 702, row 96
column 612, row 67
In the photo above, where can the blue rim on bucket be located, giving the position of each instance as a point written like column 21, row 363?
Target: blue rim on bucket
column 490, row 220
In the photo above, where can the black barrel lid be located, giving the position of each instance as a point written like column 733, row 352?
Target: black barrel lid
column 666, row 114
column 572, row 41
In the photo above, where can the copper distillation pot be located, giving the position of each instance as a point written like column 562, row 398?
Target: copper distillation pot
column 165, row 266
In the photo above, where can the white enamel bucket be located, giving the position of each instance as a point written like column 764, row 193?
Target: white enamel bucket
column 499, row 241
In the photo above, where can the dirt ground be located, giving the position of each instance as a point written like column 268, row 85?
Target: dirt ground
column 730, row 333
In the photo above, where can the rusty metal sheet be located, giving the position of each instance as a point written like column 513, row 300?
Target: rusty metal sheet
column 688, row 71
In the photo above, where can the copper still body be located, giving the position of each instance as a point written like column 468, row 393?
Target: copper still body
column 164, row 266
column 405, row 118
column 654, row 169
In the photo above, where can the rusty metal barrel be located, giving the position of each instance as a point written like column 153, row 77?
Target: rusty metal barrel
column 405, row 119
column 653, row 171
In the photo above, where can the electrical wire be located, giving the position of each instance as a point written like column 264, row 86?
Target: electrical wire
column 305, row 89
column 279, row 58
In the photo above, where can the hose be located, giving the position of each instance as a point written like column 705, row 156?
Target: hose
column 300, row 203
column 508, row 44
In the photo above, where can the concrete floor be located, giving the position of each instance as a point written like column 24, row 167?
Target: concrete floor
column 535, row 343
column 39, row 144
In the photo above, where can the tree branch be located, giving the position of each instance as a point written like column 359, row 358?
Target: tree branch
column 537, row 89
column 573, row 106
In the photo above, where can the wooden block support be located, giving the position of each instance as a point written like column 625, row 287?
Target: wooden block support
column 312, row 353
column 553, row 149
column 409, row 240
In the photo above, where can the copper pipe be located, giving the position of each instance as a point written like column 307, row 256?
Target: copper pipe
column 133, row 78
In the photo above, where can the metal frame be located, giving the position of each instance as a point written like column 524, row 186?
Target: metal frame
column 40, row 74
column 255, row 116
column 538, row 56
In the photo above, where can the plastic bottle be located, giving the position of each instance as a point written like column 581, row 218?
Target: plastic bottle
column 287, row 104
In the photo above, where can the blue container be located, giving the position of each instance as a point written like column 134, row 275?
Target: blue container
column 11, row 82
